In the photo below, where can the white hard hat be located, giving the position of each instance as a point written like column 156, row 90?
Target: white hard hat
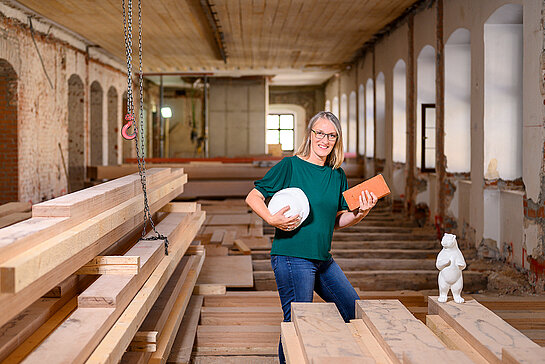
column 293, row 197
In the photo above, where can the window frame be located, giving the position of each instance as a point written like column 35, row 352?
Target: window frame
column 280, row 129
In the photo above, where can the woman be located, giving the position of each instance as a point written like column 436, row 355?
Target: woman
column 300, row 255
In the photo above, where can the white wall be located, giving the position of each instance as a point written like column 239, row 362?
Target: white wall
column 458, row 101
column 344, row 120
column 352, row 123
column 327, row 105
column 399, row 113
column 503, row 99
column 361, row 119
column 492, row 214
column 425, row 92
column 381, row 113
column 335, row 106
column 369, row 120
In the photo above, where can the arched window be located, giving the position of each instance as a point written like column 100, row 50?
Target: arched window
column 458, row 101
column 96, row 124
column 76, row 142
column 381, row 113
column 425, row 109
column 352, row 123
column 9, row 158
column 344, row 120
column 369, row 120
column 361, row 120
column 113, row 129
column 399, row 113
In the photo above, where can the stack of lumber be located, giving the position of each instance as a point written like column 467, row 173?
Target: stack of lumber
column 384, row 252
column 211, row 178
column 384, row 331
column 77, row 281
column 13, row 212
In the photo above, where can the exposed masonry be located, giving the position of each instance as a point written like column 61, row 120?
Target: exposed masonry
column 52, row 124
column 8, row 136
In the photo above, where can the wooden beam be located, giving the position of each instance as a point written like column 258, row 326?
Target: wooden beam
column 11, row 207
column 435, row 356
column 111, row 265
column 243, row 248
column 180, row 352
column 523, row 355
column 483, row 329
column 26, row 347
column 14, row 218
column 452, row 339
column 112, row 347
column 231, row 271
column 323, row 334
column 114, row 291
column 180, row 207
column 172, row 324
column 209, row 289
column 290, row 344
column 367, row 342
column 22, row 270
column 396, row 329
column 88, row 326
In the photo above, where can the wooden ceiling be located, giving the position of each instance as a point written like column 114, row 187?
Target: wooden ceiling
column 259, row 35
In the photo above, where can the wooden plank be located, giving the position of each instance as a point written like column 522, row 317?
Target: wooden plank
column 112, row 347
column 323, row 334
column 217, row 236
column 11, row 207
column 22, row 270
column 111, row 265
column 182, row 347
column 231, row 271
column 235, row 219
column 41, row 333
column 229, row 238
column 14, row 218
column 243, row 248
column 87, row 326
column 484, row 330
column 368, row 343
column 209, row 289
column 290, row 344
column 523, row 355
column 435, row 356
column 180, row 207
column 452, row 339
column 23, row 236
column 216, row 250
column 395, row 328
column 113, row 291
column 168, row 334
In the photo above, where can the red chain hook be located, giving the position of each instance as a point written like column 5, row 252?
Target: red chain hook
column 130, row 119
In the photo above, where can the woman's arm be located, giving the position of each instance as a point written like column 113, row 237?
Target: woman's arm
column 257, row 202
column 348, row 218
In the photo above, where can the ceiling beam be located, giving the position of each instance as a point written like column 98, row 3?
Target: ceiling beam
column 215, row 25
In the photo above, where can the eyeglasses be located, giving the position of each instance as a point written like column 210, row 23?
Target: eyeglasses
column 320, row 135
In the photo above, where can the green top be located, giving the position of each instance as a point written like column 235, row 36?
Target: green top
column 323, row 186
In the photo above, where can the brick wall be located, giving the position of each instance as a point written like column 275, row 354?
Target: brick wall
column 8, row 134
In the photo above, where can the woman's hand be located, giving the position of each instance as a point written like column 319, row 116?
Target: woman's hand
column 367, row 201
column 282, row 222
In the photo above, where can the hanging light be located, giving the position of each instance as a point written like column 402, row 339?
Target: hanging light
column 166, row 112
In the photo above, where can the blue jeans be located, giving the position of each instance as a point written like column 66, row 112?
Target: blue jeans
column 298, row 278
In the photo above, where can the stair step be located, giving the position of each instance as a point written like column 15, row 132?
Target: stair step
column 366, row 264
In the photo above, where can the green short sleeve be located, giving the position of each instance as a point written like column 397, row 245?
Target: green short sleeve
column 344, row 186
column 276, row 179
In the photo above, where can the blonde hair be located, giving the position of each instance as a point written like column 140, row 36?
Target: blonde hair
column 336, row 157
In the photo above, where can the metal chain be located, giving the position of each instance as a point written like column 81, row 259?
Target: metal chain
column 127, row 30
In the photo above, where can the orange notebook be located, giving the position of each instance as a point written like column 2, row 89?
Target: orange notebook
column 377, row 185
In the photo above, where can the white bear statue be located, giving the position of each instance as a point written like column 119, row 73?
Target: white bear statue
column 450, row 262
